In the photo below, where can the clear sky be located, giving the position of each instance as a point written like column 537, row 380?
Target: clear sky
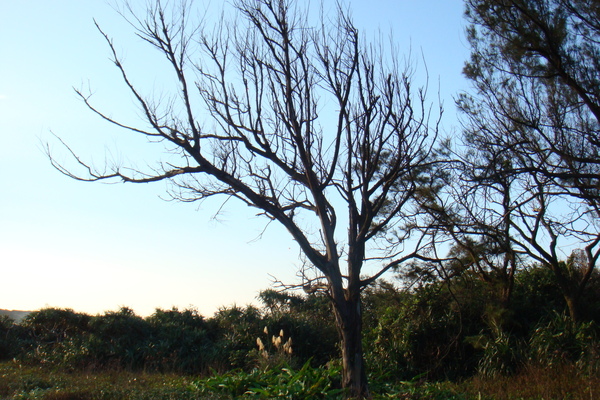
column 95, row 247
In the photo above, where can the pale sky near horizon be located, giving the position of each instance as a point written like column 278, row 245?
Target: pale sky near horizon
column 95, row 247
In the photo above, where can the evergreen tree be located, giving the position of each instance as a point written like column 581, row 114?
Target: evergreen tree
column 535, row 65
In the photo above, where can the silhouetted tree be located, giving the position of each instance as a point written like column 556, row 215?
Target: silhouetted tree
column 316, row 130
column 535, row 68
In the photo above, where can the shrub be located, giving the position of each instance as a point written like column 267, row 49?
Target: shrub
column 306, row 319
column 419, row 332
column 53, row 325
column 237, row 329
column 560, row 341
column 118, row 339
column 501, row 354
column 54, row 336
column 180, row 342
column 11, row 342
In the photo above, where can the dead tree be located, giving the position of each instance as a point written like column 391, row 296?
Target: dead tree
column 308, row 125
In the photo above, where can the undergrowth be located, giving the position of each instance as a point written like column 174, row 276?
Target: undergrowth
column 48, row 383
column 305, row 383
column 565, row 382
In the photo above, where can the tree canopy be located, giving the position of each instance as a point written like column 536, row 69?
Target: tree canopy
column 308, row 122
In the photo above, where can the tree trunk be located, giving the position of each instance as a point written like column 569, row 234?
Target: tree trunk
column 349, row 323
column 573, row 306
column 570, row 289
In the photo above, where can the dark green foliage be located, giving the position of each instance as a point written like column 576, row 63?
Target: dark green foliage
column 55, row 336
column 456, row 328
column 307, row 320
column 173, row 340
column 536, row 295
column 53, row 325
column 305, row 383
column 181, row 342
column 500, row 353
column 10, row 343
column 166, row 341
column 119, row 338
column 421, row 335
column 532, row 128
column 439, row 330
column 237, row 329
column 560, row 341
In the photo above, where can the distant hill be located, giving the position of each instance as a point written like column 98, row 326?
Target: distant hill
column 15, row 315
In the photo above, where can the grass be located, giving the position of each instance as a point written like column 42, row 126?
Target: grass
column 537, row 383
column 47, row 383
column 28, row 382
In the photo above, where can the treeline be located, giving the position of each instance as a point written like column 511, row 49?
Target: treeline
column 440, row 329
column 181, row 341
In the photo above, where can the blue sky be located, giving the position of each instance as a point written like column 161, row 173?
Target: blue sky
column 95, row 247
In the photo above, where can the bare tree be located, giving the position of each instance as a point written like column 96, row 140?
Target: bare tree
column 316, row 130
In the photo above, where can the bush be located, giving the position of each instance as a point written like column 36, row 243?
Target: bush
column 55, row 336
column 419, row 333
column 10, row 338
column 501, row 354
column 118, row 339
column 54, row 325
column 561, row 341
column 307, row 320
column 237, row 329
column 180, row 342
column 439, row 330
